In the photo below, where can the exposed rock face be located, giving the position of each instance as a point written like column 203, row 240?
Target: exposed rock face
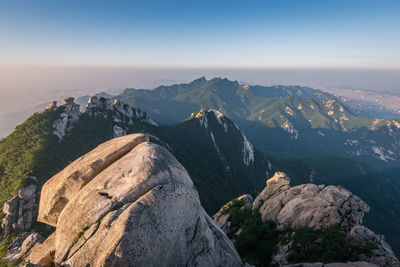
column 308, row 205
column 315, row 207
column 140, row 209
column 51, row 106
column 206, row 117
column 43, row 253
column 20, row 211
column 68, row 117
column 118, row 131
column 64, row 186
column 22, row 245
column 121, row 114
column 222, row 219
column 382, row 255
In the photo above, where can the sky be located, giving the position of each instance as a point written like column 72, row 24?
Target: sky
column 206, row 34
column 53, row 49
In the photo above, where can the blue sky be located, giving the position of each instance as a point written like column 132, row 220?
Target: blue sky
column 236, row 34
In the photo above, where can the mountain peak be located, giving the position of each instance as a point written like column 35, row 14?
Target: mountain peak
column 204, row 115
column 204, row 112
column 121, row 114
column 199, row 80
column 213, row 120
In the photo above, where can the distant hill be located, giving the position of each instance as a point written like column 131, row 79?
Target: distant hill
column 301, row 120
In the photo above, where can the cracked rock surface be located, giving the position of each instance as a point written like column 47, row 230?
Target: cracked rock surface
column 308, row 205
column 317, row 207
column 138, row 209
column 20, row 211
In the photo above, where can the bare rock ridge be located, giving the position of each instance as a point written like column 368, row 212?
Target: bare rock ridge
column 120, row 113
column 20, row 211
column 204, row 117
column 317, row 207
column 128, row 202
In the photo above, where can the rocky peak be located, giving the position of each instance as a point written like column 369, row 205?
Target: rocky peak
column 312, row 206
column 69, row 115
column 205, row 119
column 68, row 100
column 99, row 103
column 51, row 106
column 20, row 211
column 203, row 116
column 291, row 207
column 198, row 81
column 131, row 202
column 279, row 177
column 122, row 114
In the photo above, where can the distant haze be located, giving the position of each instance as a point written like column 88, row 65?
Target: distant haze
column 26, row 89
column 29, row 86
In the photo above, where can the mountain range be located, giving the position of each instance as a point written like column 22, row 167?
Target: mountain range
column 229, row 137
column 301, row 120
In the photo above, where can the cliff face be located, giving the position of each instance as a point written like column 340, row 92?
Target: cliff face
column 122, row 115
column 133, row 206
column 20, row 211
column 308, row 218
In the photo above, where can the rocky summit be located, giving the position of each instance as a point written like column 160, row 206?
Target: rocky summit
column 120, row 114
column 319, row 214
column 128, row 202
column 308, row 205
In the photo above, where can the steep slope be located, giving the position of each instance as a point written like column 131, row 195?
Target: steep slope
column 218, row 156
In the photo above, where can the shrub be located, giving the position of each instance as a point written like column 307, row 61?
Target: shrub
column 256, row 241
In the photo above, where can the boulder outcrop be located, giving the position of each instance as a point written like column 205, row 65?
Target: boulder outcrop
column 120, row 112
column 122, row 115
column 316, row 207
column 62, row 187
column 308, row 205
column 69, row 115
column 20, row 211
column 138, row 209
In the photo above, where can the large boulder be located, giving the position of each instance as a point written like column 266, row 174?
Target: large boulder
column 64, row 186
column 317, row 207
column 20, row 211
column 308, row 205
column 140, row 210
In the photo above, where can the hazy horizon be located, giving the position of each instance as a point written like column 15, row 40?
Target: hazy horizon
column 51, row 50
